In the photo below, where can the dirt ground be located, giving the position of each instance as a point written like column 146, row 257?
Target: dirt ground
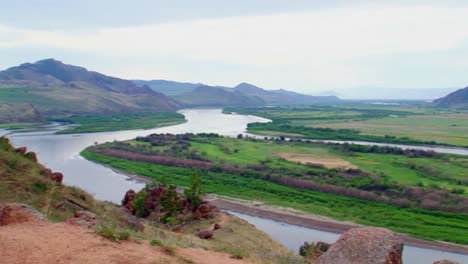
column 47, row 243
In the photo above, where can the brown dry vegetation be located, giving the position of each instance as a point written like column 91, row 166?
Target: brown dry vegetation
column 327, row 162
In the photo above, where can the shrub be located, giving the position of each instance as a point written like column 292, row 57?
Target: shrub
column 110, row 231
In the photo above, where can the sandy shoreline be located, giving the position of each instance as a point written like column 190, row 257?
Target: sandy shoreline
column 295, row 217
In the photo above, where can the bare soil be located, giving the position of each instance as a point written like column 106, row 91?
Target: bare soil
column 44, row 243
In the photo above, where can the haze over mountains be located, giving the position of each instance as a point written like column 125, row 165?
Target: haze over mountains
column 244, row 94
column 454, row 100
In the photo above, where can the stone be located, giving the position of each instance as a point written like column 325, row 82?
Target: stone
column 85, row 219
column 205, row 234
column 21, row 150
column 216, row 226
column 56, row 177
column 31, row 156
column 445, row 261
column 128, row 200
column 125, row 216
column 365, row 246
column 177, row 229
column 13, row 213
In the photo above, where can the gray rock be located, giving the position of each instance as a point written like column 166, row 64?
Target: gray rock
column 365, row 246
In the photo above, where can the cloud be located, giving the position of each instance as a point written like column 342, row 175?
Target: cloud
column 325, row 41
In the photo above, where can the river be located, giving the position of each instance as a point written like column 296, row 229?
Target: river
column 61, row 153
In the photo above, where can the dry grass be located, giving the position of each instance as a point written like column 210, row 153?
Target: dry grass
column 328, row 162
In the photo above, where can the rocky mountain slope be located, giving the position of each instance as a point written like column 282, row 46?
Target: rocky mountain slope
column 53, row 87
column 217, row 97
column 17, row 113
column 192, row 94
column 455, row 100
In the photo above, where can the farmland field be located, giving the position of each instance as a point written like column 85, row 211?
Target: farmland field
column 390, row 124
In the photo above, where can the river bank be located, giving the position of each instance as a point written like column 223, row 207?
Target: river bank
column 298, row 218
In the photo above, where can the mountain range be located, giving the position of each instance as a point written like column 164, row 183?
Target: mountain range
column 53, row 88
column 454, row 100
column 244, row 94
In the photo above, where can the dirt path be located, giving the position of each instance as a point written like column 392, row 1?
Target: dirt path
column 60, row 243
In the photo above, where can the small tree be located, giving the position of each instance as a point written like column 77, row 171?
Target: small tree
column 240, row 136
column 193, row 194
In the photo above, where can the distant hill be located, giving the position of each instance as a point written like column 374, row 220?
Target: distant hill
column 217, row 97
column 53, row 87
column 455, row 100
column 278, row 97
column 169, row 88
column 185, row 92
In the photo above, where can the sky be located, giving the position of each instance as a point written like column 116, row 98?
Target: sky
column 314, row 47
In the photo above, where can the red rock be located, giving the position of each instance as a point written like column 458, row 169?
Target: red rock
column 365, row 246
column 128, row 200
column 21, row 150
column 177, row 229
column 18, row 213
column 31, row 156
column 57, row 177
column 205, row 234
column 85, row 219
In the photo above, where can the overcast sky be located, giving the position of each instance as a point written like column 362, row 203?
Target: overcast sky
column 306, row 46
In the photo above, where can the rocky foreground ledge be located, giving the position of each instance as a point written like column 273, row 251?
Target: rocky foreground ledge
column 23, row 228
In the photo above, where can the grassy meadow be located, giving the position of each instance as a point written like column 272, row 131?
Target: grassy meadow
column 116, row 122
column 408, row 124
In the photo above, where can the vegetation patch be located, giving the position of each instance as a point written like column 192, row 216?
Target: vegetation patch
column 250, row 169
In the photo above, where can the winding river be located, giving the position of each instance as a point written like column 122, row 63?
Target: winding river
column 61, row 153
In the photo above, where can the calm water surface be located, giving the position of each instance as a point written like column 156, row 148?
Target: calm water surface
column 61, row 153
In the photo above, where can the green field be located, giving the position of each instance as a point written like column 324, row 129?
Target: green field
column 444, row 128
column 375, row 169
column 391, row 124
column 116, row 122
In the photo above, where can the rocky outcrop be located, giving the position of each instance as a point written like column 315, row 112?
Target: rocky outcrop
column 365, row 246
column 445, row 261
column 164, row 204
column 84, row 219
column 56, row 177
column 205, row 234
column 18, row 213
column 128, row 201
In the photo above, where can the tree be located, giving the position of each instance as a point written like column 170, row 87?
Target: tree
column 240, row 136
column 193, row 194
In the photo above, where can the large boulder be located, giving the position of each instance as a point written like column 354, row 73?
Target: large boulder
column 84, row 219
column 365, row 246
column 18, row 213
